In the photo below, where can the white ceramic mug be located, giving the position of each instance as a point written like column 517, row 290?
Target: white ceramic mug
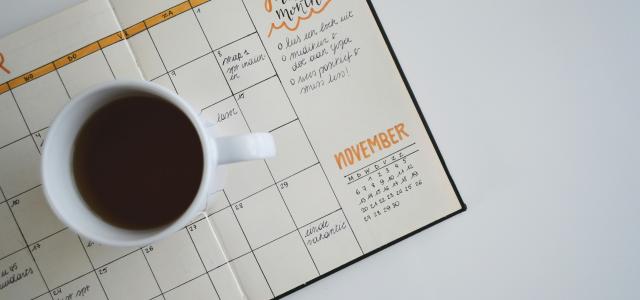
column 58, row 181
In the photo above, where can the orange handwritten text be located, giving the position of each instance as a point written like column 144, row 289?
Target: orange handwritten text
column 366, row 148
column 2, row 67
column 290, row 13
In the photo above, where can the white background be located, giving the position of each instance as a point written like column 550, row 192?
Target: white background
column 535, row 107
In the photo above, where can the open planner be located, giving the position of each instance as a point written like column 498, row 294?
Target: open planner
column 357, row 168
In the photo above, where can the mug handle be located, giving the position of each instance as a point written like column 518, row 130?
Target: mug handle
column 237, row 148
column 245, row 147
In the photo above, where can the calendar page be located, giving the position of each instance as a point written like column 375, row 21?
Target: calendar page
column 357, row 168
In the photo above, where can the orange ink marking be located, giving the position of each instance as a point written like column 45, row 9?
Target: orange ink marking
column 167, row 14
column 37, row 73
column 2, row 67
column 268, row 5
column 110, row 40
column 134, row 29
column 366, row 148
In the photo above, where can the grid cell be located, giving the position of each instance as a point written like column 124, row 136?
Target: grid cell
column 12, row 126
column 182, row 30
column 86, row 287
column 61, row 258
column 216, row 17
column 294, row 152
column 197, row 289
column 252, row 281
column 265, row 106
column 101, row 255
column 246, row 178
column 41, row 100
column 165, row 82
column 245, row 63
column 85, row 73
column 330, row 242
column 219, row 203
column 39, row 138
column 121, row 61
column 173, row 260
column 228, row 231
column 286, row 263
column 200, row 82
column 264, row 217
column 34, row 216
column 308, row 195
column 146, row 55
column 11, row 238
column 129, row 278
column 31, row 284
column 20, row 170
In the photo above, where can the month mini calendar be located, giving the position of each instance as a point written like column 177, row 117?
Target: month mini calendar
column 357, row 168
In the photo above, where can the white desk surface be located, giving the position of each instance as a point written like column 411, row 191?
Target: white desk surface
column 536, row 108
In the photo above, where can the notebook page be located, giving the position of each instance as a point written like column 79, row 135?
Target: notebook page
column 356, row 168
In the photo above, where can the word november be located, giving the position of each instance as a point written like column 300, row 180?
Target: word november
column 365, row 148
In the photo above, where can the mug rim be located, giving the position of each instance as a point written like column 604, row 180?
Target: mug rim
column 207, row 144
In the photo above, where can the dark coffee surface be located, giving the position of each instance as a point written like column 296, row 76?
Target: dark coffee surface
column 138, row 163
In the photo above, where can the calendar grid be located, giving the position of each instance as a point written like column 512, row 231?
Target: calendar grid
column 93, row 270
column 93, row 267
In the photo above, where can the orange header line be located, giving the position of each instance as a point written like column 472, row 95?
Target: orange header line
column 101, row 43
column 3, row 88
column 167, row 14
column 134, row 29
column 76, row 55
column 110, row 40
column 195, row 3
column 39, row 72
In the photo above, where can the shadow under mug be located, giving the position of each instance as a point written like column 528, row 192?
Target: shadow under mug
column 58, row 180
